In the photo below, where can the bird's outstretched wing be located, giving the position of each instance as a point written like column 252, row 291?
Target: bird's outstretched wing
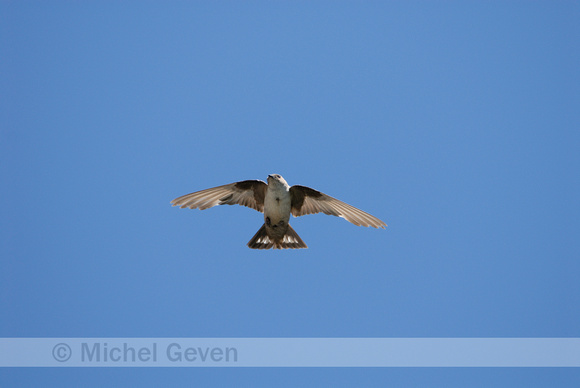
column 246, row 193
column 309, row 201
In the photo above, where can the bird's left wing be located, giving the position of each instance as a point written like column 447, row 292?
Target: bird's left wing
column 309, row 201
column 246, row 193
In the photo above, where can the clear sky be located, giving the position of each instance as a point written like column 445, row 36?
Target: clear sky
column 457, row 123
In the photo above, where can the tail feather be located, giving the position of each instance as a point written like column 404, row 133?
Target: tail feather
column 291, row 240
column 261, row 240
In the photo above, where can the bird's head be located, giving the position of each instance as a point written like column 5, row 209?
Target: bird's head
column 276, row 179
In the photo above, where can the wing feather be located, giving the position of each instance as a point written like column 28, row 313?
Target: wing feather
column 309, row 201
column 246, row 193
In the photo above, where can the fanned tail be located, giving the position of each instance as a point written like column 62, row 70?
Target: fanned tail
column 291, row 240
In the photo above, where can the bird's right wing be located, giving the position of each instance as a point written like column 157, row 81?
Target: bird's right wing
column 246, row 193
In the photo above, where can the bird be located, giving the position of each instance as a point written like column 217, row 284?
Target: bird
column 277, row 200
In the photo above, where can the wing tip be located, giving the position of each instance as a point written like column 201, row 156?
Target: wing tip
column 381, row 225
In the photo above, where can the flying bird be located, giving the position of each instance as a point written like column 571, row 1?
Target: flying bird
column 276, row 199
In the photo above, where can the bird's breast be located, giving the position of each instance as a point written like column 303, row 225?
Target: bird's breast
column 277, row 205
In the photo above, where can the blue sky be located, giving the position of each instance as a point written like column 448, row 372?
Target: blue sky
column 455, row 122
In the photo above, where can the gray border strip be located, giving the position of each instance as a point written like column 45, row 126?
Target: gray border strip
column 289, row 352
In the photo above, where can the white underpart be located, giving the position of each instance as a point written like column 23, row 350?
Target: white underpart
column 277, row 209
